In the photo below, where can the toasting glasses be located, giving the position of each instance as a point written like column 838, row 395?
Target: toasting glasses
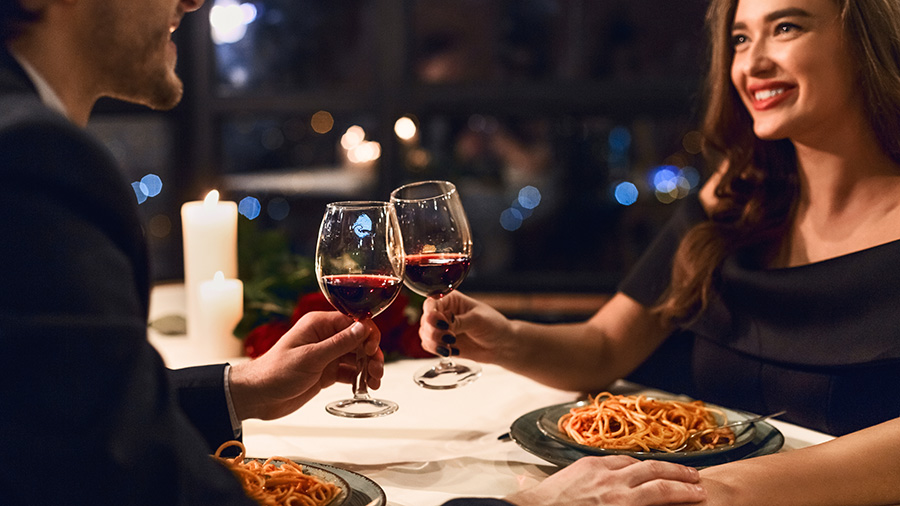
column 359, row 266
column 438, row 246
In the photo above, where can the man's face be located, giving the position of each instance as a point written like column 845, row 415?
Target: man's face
column 129, row 43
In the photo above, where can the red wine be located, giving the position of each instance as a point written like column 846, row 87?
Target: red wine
column 435, row 274
column 360, row 296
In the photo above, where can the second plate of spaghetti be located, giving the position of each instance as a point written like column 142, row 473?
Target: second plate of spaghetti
column 565, row 432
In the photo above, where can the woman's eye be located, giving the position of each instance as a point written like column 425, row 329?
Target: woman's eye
column 737, row 40
column 786, row 28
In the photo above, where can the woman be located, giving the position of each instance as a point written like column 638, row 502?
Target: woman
column 780, row 274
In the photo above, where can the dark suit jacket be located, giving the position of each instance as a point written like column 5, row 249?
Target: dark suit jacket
column 87, row 409
column 88, row 413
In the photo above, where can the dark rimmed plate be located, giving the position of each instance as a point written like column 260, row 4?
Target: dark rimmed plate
column 526, row 432
column 326, row 475
column 356, row 489
column 547, row 423
column 363, row 491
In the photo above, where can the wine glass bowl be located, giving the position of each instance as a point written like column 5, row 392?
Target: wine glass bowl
column 359, row 267
column 437, row 242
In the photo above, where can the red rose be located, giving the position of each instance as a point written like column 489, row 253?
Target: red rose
column 399, row 335
column 263, row 337
column 309, row 302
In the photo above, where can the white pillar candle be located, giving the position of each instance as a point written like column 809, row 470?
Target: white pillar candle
column 210, row 244
column 221, row 307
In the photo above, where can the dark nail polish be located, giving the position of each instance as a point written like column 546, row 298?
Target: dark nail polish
column 441, row 324
column 448, row 338
column 442, row 351
column 454, row 351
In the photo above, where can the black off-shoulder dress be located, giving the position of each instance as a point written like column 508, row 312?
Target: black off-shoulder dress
column 821, row 341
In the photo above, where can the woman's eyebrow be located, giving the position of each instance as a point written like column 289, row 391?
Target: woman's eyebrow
column 774, row 15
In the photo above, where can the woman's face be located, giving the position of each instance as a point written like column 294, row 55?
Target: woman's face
column 791, row 68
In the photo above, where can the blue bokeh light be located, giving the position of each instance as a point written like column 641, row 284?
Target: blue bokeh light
column 511, row 219
column 626, row 193
column 278, row 208
column 619, row 139
column 153, row 184
column 529, row 197
column 139, row 192
column 250, row 207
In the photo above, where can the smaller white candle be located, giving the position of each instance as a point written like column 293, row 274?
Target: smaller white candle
column 221, row 307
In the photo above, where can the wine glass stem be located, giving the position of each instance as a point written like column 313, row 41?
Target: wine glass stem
column 360, row 389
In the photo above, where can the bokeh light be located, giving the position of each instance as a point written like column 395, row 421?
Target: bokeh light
column 511, row 219
column 405, row 128
column 149, row 186
column 322, row 122
column 692, row 142
column 159, row 226
column 365, row 152
column 626, row 193
column 153, row 184
column 619, row 139
column 249, row 207
column 228, row 20
column 278, row 208
column 139, row 192
column 529, row 197
column 354, row 136
column 671, row 183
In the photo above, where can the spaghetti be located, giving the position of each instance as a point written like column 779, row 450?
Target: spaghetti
column 271, row 484
column 638, row 423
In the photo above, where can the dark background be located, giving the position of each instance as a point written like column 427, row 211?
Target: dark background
column 567, row 97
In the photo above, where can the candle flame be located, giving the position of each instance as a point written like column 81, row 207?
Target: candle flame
column 211, row 199
column 219, row 277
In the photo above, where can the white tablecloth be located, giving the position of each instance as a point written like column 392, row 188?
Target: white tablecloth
column 438, row 445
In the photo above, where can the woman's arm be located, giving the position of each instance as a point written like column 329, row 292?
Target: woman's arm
column 572, row 356
column 862, row 468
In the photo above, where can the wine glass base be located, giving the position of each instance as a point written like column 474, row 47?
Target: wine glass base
column 448, row 374
column 361, row 408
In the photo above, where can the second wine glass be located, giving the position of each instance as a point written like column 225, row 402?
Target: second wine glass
column 359, row 266
column 438, row 245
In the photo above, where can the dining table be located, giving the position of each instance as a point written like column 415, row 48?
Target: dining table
column 439, row 445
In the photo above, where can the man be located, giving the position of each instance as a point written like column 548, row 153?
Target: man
column 83, row 388
column 88, row 413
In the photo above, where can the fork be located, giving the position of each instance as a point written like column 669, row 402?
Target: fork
column 727, row 426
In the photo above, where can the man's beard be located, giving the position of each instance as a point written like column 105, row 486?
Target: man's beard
column 162, row 92
column 139, row 69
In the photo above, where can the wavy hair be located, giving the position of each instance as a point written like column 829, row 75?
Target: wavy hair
column 759, row 184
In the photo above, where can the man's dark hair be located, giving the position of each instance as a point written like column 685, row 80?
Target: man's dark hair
column 13, row 18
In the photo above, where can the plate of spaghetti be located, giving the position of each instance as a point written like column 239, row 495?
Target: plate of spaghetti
column 643, row 427
column 280, row 481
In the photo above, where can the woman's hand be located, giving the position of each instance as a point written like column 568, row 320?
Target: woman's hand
column 319, row 350
column 615, row 481
column 460, row 325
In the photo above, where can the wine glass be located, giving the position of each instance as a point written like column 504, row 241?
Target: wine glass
column 359, row 266
column 438, row 246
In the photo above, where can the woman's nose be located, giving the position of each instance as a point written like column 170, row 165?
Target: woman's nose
column 758, row 59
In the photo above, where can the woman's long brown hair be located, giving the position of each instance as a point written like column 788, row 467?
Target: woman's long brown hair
column 759, row 183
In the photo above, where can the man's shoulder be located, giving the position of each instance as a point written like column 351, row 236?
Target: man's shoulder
column 31, row 132
column 25, row 110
